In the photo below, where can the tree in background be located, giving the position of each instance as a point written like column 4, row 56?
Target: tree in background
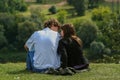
column 12, row 5
column 108, row 24
column 37, row 17
column 62, row 15
column 96, row 49
column 70, row 1
column 53, row 10
column 39, row 1
column 79, row 6
column 87, row 31
column 3, row 40
column 8, row 21
column 25, row 29
column 94, row 3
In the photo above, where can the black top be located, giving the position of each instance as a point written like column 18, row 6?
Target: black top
column 71, row 52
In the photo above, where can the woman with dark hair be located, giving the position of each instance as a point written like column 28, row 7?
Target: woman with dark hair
column 70, row 49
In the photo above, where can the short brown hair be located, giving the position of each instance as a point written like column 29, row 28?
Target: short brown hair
column 51, row 22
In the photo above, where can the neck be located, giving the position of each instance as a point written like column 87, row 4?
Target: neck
column 54, row 29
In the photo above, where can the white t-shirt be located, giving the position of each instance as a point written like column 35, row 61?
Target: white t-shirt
column 44, row 43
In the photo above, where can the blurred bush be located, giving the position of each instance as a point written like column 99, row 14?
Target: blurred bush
column 12, row 6
column 87, row 31
column 101, row 13
column 25, row 30
column 3, row 40
column 52, row 10
column 10, row 26
column 96, row 50
column 62, row 16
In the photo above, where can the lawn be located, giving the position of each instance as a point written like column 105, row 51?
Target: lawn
column 101, row 71
column 12, row 67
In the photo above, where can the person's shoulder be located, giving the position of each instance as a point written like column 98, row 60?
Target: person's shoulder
column 40, row 31
column 36, row 32
column 63, row 40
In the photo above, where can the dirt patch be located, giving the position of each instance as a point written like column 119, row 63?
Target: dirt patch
column 61, row 3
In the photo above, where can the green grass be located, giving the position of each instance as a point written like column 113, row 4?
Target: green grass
column 16, row 71
column 12, row 67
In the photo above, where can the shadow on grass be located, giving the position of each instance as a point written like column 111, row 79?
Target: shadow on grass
column 24, row 71
column 20, row 72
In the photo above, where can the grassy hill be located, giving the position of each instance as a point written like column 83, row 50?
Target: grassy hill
column 16, row 71
column 60, row 6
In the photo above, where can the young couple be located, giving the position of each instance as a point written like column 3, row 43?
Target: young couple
column 47, row 49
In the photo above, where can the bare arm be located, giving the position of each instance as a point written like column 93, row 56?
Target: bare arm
column 26, row 48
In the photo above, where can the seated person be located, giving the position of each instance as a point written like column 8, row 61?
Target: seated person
column 70, row 49
column 42, row 48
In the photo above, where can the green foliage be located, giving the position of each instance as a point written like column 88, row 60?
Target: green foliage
column 38, row 17
column 114, row 32
column 70, row 1
column 52, row 10
column 110, row 59
column 25, row 29
column 8, row 21
column 20, row 18
column 107, row 51
column 101, row 13
column 94, row 3
column 3, row 40
column 12, row 31
column 87, row 31
column 12, row 5
column 79, row 6
column 96, row 49
column 39, row 1
column 62, row 15
column 109, row 28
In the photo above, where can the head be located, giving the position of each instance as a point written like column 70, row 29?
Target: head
column 52, row 24
column 67, row 30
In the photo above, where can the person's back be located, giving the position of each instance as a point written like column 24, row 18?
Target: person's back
column 74, row 52
column 70, row 49
column 45, row 49
column 42, row 48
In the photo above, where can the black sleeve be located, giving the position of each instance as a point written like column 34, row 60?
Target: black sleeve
column 62, row 51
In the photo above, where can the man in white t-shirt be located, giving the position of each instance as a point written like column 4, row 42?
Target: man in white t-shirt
column 42, row 48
